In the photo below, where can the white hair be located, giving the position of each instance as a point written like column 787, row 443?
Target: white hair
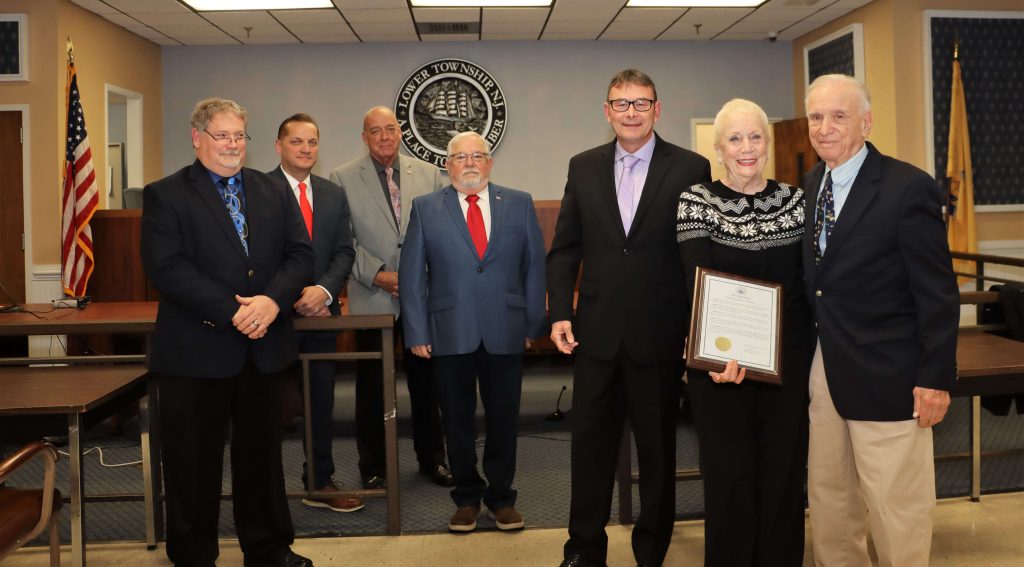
column 467, row 134
column 738, row 105
column 862, row 91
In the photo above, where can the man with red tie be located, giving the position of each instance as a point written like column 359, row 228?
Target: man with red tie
column 326, row 215
column 472, row 298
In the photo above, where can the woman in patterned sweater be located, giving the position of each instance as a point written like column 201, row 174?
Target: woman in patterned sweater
column 753, row 435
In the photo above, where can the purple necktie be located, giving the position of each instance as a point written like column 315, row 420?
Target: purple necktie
column 626, row 189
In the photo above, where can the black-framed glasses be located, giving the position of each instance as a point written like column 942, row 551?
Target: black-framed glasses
column 222, row 138
column 639, row 104
column 461, row 157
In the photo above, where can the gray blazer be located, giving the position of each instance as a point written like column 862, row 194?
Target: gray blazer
column 377, row 240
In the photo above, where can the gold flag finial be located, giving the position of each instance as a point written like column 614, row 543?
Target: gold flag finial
column 956, row 47
column 70, row 47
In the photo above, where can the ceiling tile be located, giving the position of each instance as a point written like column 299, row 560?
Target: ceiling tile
column 718, row 15
column 158, row 19
column 436, row 37
column 512, row 28
column 202, row 40
column 653, row 15
column 633, row 30
column 384, row 16
column 388, row 37
column 685, row 30
column 161, row 6
column 96, row 7
column 364, row 29
column 744, row 36
column 121, row 19
column 327, row 38
column 370, row 4
column 339, row 30
column 446, row 14
column 293, row 17
column 515, row 15
column 178, row 32
column 578, row 27
column 556, row 36
column 523, row 36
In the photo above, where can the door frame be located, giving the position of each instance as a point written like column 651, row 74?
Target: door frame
column 26, row 192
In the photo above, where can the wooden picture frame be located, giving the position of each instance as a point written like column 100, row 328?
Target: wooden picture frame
column 740, row 320
column 839, row 52
column 13, row 47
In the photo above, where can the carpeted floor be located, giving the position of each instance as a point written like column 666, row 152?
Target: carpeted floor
column 542, row 475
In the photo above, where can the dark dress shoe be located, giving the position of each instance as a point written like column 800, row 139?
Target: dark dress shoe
column 438, row 474
column 374, row 481
column 576, row 560
column 295, row 560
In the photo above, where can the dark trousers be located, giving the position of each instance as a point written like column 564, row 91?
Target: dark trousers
column 195, row 414
column 753, row 446
column 321, row 401
column 500, row 378
column 604, row 393
column 427, row 439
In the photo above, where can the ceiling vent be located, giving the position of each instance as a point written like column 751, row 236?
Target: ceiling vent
column 448, row 28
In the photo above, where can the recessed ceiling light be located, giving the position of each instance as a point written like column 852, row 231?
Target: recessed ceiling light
column 694, row 3
column 478, row 3
column 243, row 5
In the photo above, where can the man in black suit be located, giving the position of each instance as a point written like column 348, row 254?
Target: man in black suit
column 880, row 278
column 298, row 144
column 227, row 250
column 618, row 218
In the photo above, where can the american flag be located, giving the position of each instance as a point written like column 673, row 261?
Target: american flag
column 80, row 197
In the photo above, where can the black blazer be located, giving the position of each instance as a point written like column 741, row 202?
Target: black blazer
column 333, row 253
column 884, row 296
column 631, row 290
column 194, row 258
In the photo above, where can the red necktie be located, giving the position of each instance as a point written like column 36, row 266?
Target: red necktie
column 306, row 208
column 475, row 220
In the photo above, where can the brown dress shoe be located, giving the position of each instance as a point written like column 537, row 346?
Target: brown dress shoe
column 464, row 519
column 508, row 518
column 336, row 503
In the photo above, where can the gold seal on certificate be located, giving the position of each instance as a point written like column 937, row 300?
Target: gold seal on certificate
column 736, row 318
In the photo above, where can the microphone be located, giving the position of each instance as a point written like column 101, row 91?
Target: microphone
column 13, row 307
column 558, row 414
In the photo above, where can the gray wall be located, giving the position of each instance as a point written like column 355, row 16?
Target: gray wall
column 554, row 92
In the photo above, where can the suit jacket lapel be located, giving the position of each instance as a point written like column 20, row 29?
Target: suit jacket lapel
column 861, row 194
column 607, row 187
column 208, row 194
column 451, row 202
column 655, row 174
column 407, row 185
column 372, row 183
column 497, row 217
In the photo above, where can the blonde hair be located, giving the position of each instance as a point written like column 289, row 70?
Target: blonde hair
column 738, row 105
column 206, row 109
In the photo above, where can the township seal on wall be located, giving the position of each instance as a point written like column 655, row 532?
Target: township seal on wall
column 443, row 98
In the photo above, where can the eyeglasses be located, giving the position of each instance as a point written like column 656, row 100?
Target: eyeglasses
column 222, row 138
column 461, row 157
column 639, row 104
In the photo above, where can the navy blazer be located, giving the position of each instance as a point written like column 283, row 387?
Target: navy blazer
column 193, row 256
column 453, row 300
column 885, row 298
column 333, row 253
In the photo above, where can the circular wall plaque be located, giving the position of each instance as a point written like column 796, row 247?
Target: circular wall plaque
column 446, row 97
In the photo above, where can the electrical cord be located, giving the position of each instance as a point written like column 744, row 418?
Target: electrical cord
column 102, row 462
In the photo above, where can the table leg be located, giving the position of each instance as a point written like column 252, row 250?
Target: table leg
column 391, row 430
column 975, row 448
column 148, row 486
column 77, row 487
column 307, row 421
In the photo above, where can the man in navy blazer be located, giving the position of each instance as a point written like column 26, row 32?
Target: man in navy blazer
column 227, row 250
column 880, row 278
column 472, row 298
column 324, row 210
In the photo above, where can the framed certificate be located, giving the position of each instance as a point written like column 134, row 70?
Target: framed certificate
column 736, row 318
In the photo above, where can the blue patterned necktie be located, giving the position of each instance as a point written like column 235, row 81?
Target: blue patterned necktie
column 228, row 189
column 824, row 218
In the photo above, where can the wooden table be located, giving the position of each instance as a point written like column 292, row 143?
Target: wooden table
column 73, row 391
column 987, row 365
column 140, row 317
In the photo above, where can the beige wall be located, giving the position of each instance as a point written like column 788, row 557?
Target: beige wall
column 894, row 73
column 104, row 54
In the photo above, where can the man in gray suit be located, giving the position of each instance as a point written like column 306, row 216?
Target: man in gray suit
column 473, row 298
column 380, row 187
column 298, row 144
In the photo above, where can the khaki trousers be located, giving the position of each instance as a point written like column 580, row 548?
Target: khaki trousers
column 867, row 476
